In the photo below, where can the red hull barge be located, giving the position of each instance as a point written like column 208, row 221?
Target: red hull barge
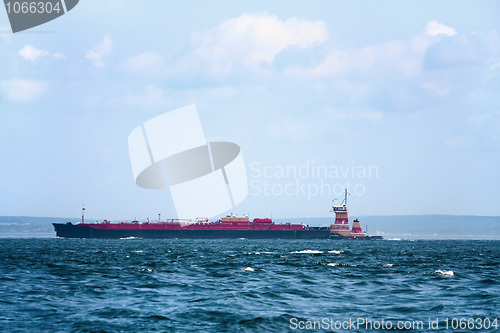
column 227, row 227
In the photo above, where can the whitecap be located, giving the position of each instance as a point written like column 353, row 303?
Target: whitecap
column 388, row 265
column 131, row 237
column 308, row 251
column 139, row 251
column 248, row 269
column 333, row 264
column 336, row 251
column 444, row 273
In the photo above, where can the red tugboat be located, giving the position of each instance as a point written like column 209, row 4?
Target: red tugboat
column 340, row 228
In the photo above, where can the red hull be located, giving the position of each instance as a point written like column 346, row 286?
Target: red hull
column 257, row 224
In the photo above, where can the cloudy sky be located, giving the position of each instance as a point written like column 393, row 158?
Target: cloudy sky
column 398, row 100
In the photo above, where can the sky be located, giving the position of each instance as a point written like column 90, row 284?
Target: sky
column 398, row 101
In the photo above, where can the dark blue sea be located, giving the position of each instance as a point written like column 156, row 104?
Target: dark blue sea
column 138, row 285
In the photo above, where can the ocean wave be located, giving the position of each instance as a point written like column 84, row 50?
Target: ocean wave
column 308, row 251
column 444, row 272
column 335, row 264
column 257, row 253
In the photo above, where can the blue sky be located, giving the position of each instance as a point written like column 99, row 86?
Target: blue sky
column 406, row 94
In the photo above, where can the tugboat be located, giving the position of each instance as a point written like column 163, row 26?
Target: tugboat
column 340, row 228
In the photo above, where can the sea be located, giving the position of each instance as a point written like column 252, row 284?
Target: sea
column 241, row 285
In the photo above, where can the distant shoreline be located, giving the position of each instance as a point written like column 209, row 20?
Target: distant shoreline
column 414, row 227
column 27, row 235
column 388, row 238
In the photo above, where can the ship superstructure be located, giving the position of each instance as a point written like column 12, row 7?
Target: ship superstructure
column 341, row 224
column 340, row 227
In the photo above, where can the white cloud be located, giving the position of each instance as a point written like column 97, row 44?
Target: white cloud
column 290, row 129
column 317, row 123
column 152, row 97
column 435, row 28
column 342, row 115
column 400, row 59
column 24, row 91
column 148, row 63
column 495, row 65
column 99, row 54
column 31, row 53
column 437, row 89
column 458, row 141
column 461, row 51
column 397, row 59
column 251, row 40
column 58, row 55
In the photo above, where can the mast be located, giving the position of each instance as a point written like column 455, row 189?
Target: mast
column 344, row 202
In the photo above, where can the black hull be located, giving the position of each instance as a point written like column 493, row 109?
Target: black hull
column 81, row 231
column 365, row 238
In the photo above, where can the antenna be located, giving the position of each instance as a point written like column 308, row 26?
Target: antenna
column 83, row 213
column 344, row 202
